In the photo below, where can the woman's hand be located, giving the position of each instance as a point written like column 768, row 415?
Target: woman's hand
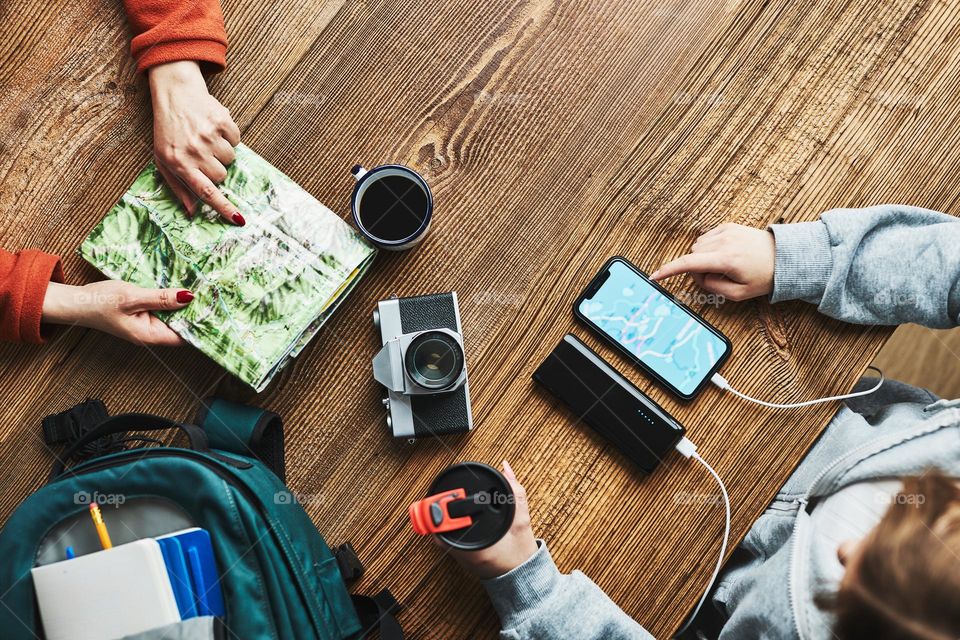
column 193, row 137
column 117, row 308
column 732, row 260
column 512, row 550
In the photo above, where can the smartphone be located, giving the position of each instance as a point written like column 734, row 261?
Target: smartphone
column 610, row 404
column 639, row 318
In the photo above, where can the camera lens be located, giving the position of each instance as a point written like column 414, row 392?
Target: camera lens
column 434, row 360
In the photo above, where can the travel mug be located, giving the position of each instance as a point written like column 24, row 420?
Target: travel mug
column 469, row 506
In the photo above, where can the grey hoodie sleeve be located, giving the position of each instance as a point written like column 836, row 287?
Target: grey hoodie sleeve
column 887, row 265
column 535, row 600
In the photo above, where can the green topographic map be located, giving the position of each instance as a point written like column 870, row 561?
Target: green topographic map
column 263, row 290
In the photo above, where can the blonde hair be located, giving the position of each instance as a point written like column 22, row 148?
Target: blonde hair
column 905, row 582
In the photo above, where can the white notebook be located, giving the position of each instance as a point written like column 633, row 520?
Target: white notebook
column 107, row 594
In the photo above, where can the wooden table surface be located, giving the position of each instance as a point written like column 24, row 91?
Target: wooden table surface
column 554, row 134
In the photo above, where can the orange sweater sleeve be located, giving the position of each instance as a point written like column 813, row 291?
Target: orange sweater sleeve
column 24, row 277
column 173, row 30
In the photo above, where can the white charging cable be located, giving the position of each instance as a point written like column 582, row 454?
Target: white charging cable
column 689, row 450
column 721, row 382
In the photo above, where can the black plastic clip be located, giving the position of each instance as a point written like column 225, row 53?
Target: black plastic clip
column 350, row 566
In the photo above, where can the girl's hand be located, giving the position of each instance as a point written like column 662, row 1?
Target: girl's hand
column 732, row 260
column 117, row 308
column 512, row 550
column 193, row 137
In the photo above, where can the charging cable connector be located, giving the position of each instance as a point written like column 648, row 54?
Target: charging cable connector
column 686, row 448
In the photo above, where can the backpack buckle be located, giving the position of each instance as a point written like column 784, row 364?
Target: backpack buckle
column 350, row 566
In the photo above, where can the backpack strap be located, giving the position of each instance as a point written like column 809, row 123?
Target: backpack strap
column 379, row 612
column 123, row 422
column 375, row 612
column 244, row 430
column 69, row 425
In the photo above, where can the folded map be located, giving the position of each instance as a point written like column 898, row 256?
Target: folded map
column 263, row 290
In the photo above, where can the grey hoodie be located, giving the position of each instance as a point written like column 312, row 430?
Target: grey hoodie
column 888, row 265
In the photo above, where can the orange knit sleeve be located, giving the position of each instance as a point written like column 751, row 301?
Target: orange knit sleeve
column 172, row 30
column 24, row 277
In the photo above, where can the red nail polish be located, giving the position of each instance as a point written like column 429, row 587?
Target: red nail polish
column 238, row 219
column 184, row 296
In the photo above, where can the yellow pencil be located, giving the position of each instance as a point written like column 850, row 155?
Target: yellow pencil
column 101, row 527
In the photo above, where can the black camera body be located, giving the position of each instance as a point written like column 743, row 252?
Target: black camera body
column 423, row 366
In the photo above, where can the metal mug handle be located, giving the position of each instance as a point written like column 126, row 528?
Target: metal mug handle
column 358, row 171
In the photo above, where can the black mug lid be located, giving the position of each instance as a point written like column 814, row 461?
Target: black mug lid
column 495, row 504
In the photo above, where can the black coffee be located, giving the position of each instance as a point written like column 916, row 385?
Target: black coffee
column 393, row 208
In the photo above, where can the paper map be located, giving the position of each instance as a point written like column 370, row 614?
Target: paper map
column 262, row 290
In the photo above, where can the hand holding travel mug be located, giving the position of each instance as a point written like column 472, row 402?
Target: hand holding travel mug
column 392, row 206
column 498, row 537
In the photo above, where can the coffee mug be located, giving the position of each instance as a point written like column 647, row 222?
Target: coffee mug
column 392, row 206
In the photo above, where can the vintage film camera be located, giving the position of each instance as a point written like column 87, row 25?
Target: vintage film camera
column 423, row 366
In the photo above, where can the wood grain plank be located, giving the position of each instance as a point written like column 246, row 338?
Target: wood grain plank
column 553, row 135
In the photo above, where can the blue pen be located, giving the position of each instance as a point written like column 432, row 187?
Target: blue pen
column 70, row 554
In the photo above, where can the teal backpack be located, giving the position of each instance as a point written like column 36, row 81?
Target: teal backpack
column 278, row 577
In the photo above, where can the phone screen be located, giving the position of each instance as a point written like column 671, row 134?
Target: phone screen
column 670, row 340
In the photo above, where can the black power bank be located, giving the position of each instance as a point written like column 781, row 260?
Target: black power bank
column 625, row 416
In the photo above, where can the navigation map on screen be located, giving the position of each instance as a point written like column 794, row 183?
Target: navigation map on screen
column 653, row 328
